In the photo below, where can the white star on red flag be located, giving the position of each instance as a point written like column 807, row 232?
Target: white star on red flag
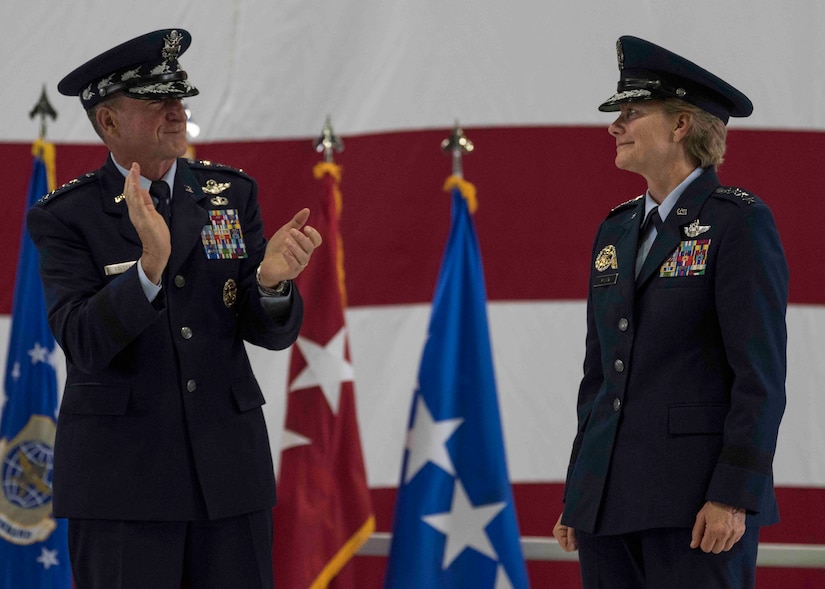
column 327, row 367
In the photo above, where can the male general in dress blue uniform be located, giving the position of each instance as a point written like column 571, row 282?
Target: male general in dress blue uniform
column 162, row 459
column 670, row 476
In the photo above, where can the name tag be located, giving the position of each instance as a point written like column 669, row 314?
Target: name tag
column 113, row 269
column 606, row 280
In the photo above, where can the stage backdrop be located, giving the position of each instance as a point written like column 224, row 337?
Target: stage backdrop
column 524, row 80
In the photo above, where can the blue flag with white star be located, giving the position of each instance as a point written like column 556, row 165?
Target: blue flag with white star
column 33, row 545
column 455, row 522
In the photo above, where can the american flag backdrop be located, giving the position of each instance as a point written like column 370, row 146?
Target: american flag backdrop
column 524, row 80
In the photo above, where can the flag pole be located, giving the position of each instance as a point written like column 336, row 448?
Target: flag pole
column 34, row 544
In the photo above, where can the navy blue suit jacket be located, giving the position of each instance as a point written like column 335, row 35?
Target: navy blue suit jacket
column 684, row 373
column 161, row 416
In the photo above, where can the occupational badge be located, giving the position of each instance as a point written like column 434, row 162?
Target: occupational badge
column 219, row 201
column 230, row 293
column 27, row 463
column 213, row 187
column 607, row 259
column 223, row 238
column 695, row 229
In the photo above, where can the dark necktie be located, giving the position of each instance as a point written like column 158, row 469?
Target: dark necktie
column 160, row 190
column 653, row 219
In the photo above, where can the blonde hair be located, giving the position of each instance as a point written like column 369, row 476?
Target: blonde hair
column 706, row 140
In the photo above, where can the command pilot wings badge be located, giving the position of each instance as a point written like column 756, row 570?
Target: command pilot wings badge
column 213, row 187
column 695, row 229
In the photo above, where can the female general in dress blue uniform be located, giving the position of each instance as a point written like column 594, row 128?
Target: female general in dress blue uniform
column 670, row 476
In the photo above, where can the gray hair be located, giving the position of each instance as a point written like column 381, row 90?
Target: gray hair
column 706, row 140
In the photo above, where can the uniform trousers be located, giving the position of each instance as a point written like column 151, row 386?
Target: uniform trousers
column 663, row 559
column 234, row 553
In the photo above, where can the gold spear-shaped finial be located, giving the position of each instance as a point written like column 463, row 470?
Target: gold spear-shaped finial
column 44, row 109
column 457, row 144
column 328, row 142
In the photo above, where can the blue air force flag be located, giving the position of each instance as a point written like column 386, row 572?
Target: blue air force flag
column 455, row 522
column 33, row 545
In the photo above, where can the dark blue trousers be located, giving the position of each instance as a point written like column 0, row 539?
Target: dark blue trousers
column 663, row 559
column 206, row 554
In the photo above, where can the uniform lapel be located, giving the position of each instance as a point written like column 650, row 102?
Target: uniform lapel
column 685, row 209
column 626, row 248
column 188, row 218
column 113, row 202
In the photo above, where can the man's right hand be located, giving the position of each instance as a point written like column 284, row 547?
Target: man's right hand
column 150, row 226
column 566, row 536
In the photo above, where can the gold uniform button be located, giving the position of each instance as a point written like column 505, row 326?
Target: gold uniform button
column 618, row 366
column 180, row 281
column 623, row 324
column 617, row 404
column 186, row 332
column 191, row 385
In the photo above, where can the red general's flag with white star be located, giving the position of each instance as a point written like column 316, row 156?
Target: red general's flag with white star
column 324, row 513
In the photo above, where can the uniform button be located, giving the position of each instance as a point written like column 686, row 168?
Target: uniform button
column 186, row 332
column 617, row 404
column 191, row 385
column 623, row 323
column 180, row 281
column 618, row 366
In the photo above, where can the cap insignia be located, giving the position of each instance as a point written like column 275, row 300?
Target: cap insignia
column 171, row 45
column 620, row 54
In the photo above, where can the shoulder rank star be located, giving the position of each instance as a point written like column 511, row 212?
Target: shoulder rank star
column 695, row 229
